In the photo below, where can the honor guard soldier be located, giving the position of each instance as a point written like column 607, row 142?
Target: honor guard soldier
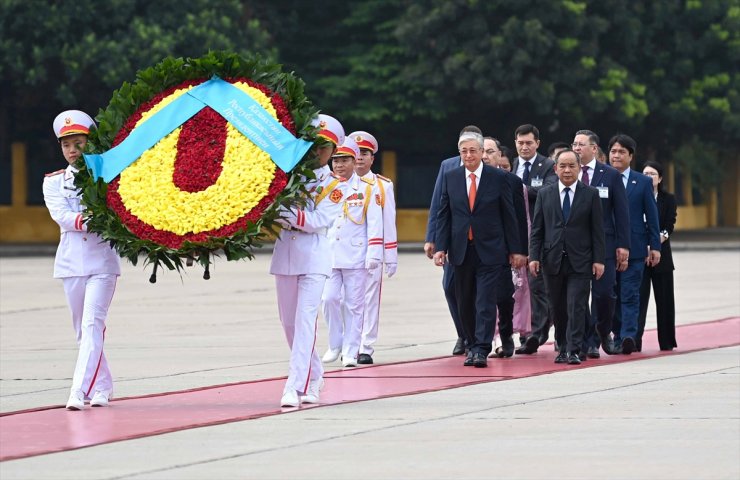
column 301, row 263
column 356, row 239
column 383, row 195
column 88, row 266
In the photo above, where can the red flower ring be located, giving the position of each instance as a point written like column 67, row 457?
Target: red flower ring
column 198, row 163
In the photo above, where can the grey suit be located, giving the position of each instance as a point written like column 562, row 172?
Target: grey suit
column 566, row 252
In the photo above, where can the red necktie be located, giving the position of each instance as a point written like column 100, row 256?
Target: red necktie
column 471, row 200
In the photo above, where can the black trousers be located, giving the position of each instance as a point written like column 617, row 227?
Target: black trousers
column 476, row 291
column 665, row 306
column 541, row 307
column 448, row 285
column 568, row 295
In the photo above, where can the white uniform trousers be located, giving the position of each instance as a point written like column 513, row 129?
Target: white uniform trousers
column 345, row 331
column 299, row 297
column 372, row 310
column 88, row 298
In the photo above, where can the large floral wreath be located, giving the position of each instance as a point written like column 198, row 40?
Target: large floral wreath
column 205, row 187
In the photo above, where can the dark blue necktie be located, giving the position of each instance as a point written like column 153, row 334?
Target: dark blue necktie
column 525, row 175
column 566, row 204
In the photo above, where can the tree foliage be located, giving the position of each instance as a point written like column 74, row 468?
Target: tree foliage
column 76, row 53
column 415, row 71
column 654, row 69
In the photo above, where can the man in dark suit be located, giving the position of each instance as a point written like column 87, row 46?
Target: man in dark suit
column 644, row 241
column 477, row 230
column 448, row 279
column 617, row 230
column 567, row 246
column 505, row 302
column 536, row 171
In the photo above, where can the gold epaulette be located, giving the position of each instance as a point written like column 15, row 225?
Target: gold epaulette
column 369, row 181
column 341, row 179
column 54, row 173
column 386, row 179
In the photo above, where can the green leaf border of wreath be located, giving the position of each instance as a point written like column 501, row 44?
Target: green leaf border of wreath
column 125, row 101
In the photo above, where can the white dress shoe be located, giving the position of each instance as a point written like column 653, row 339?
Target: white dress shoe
column 331, row 355
column 290, row 399
column 100, row 399
column 312, row 395
column 349, row 362
column 76, row 401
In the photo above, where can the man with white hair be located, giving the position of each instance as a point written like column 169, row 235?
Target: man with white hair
column 477, row 232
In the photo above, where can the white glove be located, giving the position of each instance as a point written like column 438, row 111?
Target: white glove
column 372, row 263
column 390, row 269
column 286, row 217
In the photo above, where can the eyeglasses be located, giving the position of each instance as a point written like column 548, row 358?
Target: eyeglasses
column 576, row 145
column 471, row 151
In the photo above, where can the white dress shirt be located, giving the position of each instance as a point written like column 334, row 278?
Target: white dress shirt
column 562, row 187
column 520, row 166
column 625, row 177
column 591, row 169
column 477, row 173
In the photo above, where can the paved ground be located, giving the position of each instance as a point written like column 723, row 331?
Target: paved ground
column 672, row 417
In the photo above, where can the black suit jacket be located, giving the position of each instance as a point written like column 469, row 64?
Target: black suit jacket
column 492, row 218
column 542, row 168
column 667, row 213
column 582, row 237
column 520, row 208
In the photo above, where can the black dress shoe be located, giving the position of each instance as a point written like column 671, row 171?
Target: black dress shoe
column 607, row 344
column 573, row 359
column 480, row 360
column 561, row 358
column 459, row 347
column 365, row 359
column 582, row 356
column 507, row 347
column 593, row 352
column 469, row 360
column 628, row 345
column 530, row 346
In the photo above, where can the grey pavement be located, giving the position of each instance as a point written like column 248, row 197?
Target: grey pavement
column 671, row 417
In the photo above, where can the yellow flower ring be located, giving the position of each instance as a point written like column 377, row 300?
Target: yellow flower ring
column 205, row 179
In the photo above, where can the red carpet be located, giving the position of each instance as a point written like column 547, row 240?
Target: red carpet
column 54, row 429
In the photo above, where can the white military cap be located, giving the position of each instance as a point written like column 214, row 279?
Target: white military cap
column 365, row 140
column 329, row 128
column 348, row 149
column 72, row 122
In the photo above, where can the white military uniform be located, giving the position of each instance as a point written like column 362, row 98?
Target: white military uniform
column 356, row 239
column 386, row 199
column 301, row 262
column 89, row 269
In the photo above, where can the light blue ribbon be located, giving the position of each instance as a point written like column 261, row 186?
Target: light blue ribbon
column 236, row 106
